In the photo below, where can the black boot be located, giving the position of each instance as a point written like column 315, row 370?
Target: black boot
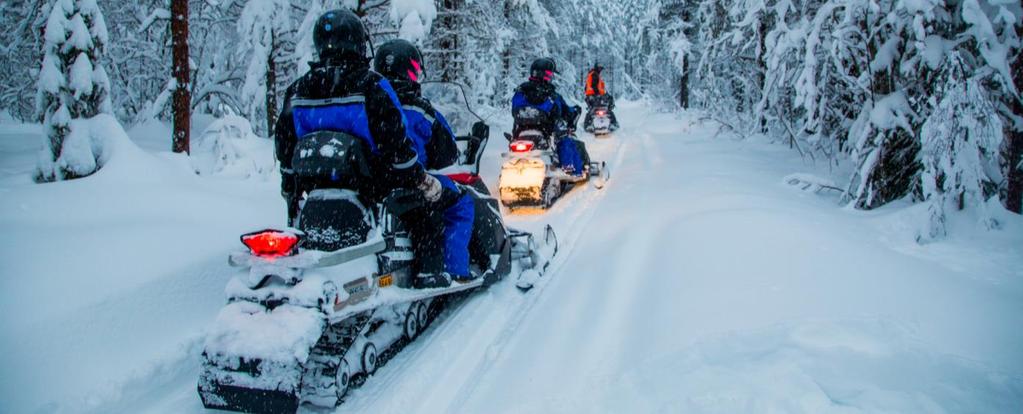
column 426, row 228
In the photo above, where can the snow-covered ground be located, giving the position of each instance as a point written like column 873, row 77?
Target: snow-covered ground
column 698, row 280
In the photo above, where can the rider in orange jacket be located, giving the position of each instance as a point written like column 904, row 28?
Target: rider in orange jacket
column 596, row 95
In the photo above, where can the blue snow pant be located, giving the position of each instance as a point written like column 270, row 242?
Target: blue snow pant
column 568, row 154
column 458, row 219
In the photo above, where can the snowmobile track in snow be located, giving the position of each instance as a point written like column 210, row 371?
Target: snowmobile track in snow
column 576, row 230
column 572, row 214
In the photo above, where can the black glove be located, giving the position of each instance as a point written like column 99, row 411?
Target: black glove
column 289, row 183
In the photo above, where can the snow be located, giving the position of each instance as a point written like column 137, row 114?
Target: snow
column 413, row 18
column 56, row 24
column 81, row 76
column 50, row 77
column 890, row 112
column 80, row 38
column 285, row 334
column 229, row 147
column 695, row 281
column 108, row 281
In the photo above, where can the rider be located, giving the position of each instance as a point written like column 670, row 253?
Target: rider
column 536, row 101
column 402, row 64
column 597, row 95
column 340, row 93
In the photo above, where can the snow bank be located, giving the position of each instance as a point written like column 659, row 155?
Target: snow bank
column 90, row 144
column 107, row 279
column 855, row 366
column 228, row 147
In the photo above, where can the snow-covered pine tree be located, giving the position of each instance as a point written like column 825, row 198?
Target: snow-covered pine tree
column 72, row 85
column 264, row 27
column 530, row 23
column 960, row 142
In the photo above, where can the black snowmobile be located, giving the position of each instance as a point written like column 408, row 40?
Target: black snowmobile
column 313, row 308
column 599, row 119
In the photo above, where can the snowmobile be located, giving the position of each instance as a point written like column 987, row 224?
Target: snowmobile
column 531, row 175
column 313, row 308
column 598, row 118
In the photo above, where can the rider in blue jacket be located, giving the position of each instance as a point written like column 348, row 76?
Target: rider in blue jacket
column 537, row 105
column 340, row 93
column 402, row 64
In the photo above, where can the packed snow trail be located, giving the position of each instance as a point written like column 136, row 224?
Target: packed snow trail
column 699, row 282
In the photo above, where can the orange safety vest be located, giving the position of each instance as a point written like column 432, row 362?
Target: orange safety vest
column 589, row 84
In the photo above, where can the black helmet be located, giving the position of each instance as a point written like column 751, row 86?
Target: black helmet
column 340, row 33
column 542, row 69
column 399, row 59
column 597, row 67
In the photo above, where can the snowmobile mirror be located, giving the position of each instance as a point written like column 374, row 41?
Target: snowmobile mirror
column 480, row 130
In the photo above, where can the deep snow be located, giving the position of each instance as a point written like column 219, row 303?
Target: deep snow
column 698, row 280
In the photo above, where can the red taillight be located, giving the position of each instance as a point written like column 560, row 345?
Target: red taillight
column 521, row 146
column 270, row 243
column 601, row 113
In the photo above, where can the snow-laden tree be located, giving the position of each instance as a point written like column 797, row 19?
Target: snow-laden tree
column 960, row 143
column 72, row 85
column 413, row 18
column 263, row 26
column 854, row 81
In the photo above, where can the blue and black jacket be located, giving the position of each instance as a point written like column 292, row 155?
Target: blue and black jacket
column 429, row 130
column 350, row 98
column 536, row 105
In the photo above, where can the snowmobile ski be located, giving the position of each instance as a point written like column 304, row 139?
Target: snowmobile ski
column 528, row 278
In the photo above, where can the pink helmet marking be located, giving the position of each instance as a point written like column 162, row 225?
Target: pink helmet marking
column 414, row 75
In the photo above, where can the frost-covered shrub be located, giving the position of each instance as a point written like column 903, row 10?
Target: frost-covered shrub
column 72, row 85
column 228, row 147
column 959, row 155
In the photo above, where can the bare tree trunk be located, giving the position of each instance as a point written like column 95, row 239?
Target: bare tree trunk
column 182, row 104
column 271, row 87
column 683, row 93
column 762, row 69
column 1013, row 154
